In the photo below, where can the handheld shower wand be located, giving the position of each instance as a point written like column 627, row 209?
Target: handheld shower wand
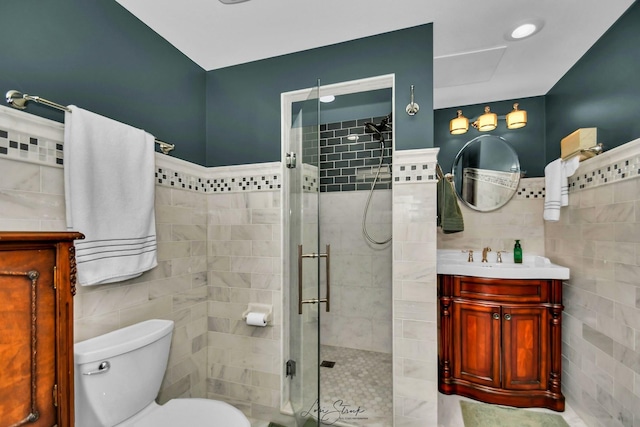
column 384, row 125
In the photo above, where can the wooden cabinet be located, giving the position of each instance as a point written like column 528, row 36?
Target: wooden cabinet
column 37, row 284
column 500, row 340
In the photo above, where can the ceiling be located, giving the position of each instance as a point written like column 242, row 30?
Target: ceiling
column 474, row 61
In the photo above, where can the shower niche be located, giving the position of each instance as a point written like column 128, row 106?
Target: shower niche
column 337, row 252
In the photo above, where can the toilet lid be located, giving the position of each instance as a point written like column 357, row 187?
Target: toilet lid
column 194, row 413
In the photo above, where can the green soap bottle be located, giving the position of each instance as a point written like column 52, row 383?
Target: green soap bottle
column 517, row 253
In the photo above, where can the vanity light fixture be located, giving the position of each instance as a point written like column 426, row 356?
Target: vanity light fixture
column 516, row 119
column 488, row 121
column 459, row 124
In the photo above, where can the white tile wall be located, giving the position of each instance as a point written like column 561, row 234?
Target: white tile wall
column 598, row 238
column 415, row 386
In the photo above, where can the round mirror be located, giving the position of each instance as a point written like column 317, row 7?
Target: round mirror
column 486, row 173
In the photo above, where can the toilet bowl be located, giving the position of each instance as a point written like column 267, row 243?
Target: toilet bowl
column 118, row 376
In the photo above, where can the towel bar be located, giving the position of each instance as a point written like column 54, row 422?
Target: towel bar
column 586, row 153
column 19, row 100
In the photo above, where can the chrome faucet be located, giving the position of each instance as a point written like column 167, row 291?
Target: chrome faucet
column 484, row 253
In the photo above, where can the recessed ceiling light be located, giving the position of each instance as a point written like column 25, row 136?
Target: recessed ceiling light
column 524, row 30
column 327, row 98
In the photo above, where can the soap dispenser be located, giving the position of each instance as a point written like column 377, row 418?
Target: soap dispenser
column 517, row 253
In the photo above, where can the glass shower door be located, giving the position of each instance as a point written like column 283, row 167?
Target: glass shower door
column 304, row 257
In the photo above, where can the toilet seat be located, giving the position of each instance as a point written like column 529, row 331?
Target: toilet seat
column 192, row 412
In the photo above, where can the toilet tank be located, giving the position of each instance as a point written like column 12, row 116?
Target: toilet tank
column 137, row 357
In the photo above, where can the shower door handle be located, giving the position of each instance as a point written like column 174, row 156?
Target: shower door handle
column 327, row 298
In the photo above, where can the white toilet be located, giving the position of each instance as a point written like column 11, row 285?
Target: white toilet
column 118, row 376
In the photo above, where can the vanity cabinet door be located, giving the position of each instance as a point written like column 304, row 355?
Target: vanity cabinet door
column 37, row 284
column 525, row 348
column 499, row 340
column 477, row 342
column 27, row 338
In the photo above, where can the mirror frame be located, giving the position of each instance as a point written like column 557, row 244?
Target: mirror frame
column 457, row 178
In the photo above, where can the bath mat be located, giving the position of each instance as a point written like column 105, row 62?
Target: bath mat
column 482, row 415
column 309, row 423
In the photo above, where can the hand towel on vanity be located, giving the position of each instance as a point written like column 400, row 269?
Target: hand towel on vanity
column 449, row 213
column 556, row 183
column 109, row 183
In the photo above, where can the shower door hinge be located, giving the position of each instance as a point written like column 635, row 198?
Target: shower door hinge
column 290, row 160
column 291, row 368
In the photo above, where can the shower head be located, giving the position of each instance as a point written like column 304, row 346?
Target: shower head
column 372, row 128
column 386, row 123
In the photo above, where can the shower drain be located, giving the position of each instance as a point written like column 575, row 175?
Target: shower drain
column 327, row 364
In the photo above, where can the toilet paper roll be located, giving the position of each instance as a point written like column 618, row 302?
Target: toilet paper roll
column 257, row 319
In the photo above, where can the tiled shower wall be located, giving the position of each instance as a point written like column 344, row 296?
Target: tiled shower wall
column 360, row 315
column 350, row 164
column 598, row 238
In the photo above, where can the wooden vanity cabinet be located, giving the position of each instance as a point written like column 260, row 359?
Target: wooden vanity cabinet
column 37, row 285
column 499, row 340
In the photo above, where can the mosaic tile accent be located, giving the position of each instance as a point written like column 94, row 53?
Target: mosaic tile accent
column 28, row 144
column 175, row 179
column 412, row 173
column 29, row 147
column 530, row 188
column 347, row 165
column 233, row 184
column 618, row 170
column 309, row 178
column 245, row 183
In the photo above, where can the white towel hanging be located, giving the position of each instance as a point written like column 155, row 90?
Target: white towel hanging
column 556, row 179
column 109, row 194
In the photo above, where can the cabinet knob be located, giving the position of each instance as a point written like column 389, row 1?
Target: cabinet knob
column 496, row 316
column 507, row 316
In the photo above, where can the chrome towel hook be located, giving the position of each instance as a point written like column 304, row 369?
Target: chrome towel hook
column 413, row 107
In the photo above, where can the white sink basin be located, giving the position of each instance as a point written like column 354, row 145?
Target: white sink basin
column 532, row 267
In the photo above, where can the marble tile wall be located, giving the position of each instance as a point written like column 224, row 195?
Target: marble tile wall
column 520, row 218
column 360, row 315
column 415, row 383
column 598, row 238
column 244, row 245
column 32, row 199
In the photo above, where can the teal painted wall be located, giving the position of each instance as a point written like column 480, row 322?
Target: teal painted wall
column 96, row 55
column 528, row 142
column 601, row 90
column 243, row 102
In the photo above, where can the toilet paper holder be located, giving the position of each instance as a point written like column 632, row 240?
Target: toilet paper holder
column 259, row 308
